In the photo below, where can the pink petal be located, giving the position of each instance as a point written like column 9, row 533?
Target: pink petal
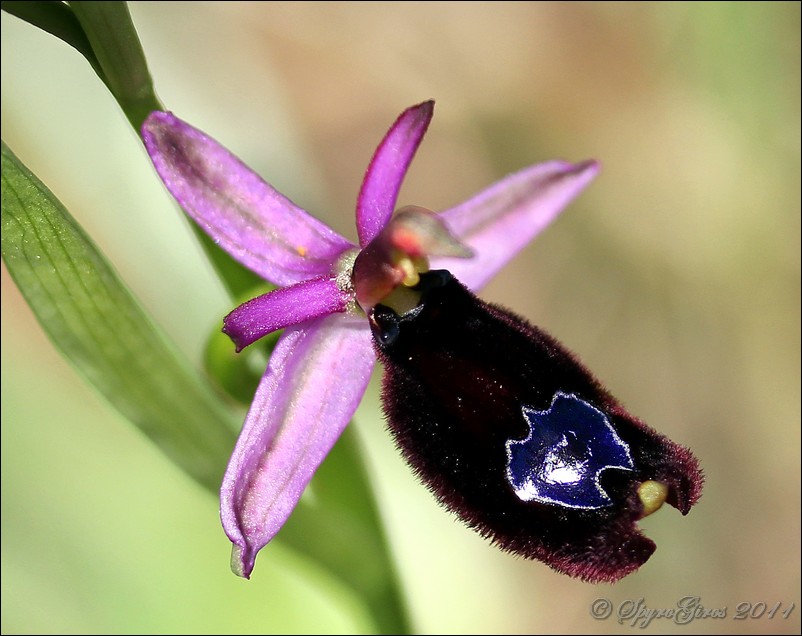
column 386, row 171
column 499, row 221
column 316, row 377
column 254, row 223
column 283, row 307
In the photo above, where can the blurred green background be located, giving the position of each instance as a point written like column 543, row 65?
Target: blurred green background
column 675, row 277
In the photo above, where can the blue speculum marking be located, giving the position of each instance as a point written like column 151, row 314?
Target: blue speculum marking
column 560, row 461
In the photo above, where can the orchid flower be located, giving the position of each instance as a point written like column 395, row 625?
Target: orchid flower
column 334, row 295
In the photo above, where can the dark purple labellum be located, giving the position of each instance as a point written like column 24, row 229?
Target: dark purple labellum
column 514, row 435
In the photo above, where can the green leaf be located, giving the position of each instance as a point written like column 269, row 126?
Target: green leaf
column 57, row 19
column 94, row 320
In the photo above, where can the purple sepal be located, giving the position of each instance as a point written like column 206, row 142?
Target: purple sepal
column 314, row 381
column 256, row 224
column 500, row 221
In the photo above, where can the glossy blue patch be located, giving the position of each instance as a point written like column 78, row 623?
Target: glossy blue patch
column 568, row 446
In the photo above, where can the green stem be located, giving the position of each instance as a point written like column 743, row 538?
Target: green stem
column 57, row 19
column 114, row 41
column 343, row 529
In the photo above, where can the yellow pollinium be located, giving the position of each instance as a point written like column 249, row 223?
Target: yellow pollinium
column 652, row 496
column 412, row 268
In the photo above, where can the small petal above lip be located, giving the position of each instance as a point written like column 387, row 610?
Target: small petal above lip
column 501, row 220
column 379, row 192
column 316, row 377
column 254, row 223
column 283, row 307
